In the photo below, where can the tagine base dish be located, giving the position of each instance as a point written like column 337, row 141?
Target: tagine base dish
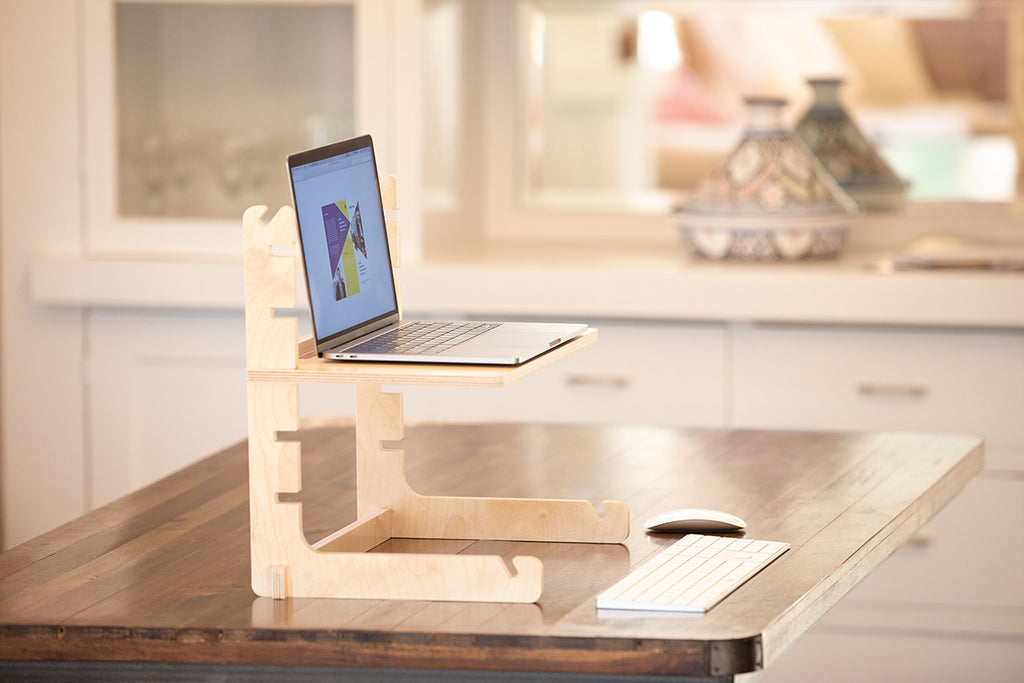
column 763, row 238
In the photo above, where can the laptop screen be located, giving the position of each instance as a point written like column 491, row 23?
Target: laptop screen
column 344, row 243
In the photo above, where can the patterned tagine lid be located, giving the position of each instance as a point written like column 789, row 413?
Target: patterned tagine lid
column 770, row 199
column 846, row 152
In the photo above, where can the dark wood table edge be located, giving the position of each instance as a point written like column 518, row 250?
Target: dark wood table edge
column 419, row 651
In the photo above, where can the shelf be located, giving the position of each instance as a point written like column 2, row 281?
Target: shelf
column 313, row 369
column 283, row 563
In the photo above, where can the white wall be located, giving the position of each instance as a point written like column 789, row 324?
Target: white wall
column 100, row 395
column 41, row 210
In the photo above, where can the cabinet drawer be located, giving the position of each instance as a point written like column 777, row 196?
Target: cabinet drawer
column 857, row 655
column 971, row 554
column 636, row 373
column 881, row 378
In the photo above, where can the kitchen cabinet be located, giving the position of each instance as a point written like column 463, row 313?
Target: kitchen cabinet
column 958, row 586
column 188, row 109
column 638, row 373
column 127, row 134
column 121, row 316
column 893, row 377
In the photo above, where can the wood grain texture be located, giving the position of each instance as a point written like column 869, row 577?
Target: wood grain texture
column 270, row 341
column 309, row 368
column 163, row 574
column 382, row 484
column 283, row 563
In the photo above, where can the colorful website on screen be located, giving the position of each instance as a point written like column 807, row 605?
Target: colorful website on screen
column 343, row 241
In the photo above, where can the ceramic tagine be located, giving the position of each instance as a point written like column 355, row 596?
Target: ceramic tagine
column 846, row 152
column 770, row 199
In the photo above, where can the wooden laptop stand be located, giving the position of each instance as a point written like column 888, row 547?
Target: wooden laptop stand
column 284, row 564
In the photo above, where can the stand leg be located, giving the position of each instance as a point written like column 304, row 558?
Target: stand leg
column 285, row 565
column 382, row 484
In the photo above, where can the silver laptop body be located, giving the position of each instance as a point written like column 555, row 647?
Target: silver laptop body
column 350, row 280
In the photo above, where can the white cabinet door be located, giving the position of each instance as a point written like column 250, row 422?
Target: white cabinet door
column 860, row 655
column 640, row 373
column 882, row 378
column 163, row 390
column 971, row 554
column 191, row 107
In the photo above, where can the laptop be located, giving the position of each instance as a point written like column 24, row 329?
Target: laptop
column 350, row 280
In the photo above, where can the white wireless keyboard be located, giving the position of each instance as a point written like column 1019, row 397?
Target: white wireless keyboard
column 691, row 575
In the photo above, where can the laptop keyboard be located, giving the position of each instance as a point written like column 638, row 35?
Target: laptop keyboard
column 423, row 337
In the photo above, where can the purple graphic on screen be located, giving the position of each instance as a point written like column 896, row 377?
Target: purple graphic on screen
column 336, row 227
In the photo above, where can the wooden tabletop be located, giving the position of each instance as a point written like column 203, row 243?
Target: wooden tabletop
column 162, row 575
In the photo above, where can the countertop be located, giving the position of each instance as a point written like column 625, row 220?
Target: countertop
column 659, row 280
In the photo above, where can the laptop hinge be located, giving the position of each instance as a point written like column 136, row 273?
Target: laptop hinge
column 362, row 331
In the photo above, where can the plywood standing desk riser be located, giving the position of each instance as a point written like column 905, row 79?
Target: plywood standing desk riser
column 284, row 564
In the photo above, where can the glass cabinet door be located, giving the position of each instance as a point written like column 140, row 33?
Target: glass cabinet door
column 604, row 115
column 192, row 107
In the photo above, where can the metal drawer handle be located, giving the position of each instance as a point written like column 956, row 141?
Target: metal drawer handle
column 920, row 542
column 883, row 389
column 600, row 381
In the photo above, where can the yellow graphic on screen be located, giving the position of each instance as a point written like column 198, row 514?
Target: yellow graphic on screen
column 348, row 256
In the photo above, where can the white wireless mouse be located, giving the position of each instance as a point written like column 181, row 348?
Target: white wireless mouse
column 694, row 520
